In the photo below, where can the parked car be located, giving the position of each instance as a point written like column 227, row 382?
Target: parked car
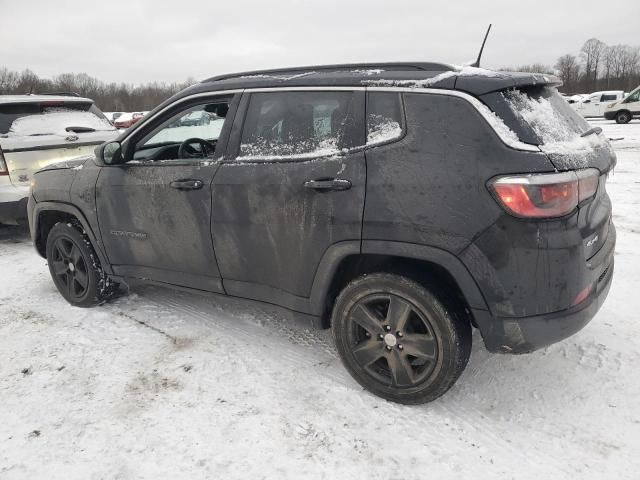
column 400, row 204
column 113, row 116
column 126, row 120
column 625, row 110
column 573, row 98
column 596, row 103
column 36, row 130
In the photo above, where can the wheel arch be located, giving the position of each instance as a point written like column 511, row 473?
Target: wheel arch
column 439, row 268
column 46, row 214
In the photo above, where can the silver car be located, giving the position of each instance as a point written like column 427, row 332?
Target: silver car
column 37, row 130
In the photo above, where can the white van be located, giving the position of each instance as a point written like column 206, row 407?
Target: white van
column 595, row 104
column 624, row 111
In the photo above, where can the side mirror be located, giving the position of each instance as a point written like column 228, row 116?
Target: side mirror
column 109, row 153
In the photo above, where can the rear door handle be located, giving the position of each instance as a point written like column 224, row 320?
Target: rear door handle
column 328, row 184
column 186, row 184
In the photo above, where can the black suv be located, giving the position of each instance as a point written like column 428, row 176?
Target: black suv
column 399, row 204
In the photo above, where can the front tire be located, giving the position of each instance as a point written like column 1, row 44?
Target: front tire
column 75, row 268
column 398, row 340
column 623, row 117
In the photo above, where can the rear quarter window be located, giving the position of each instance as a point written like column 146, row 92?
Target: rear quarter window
column 385, row 117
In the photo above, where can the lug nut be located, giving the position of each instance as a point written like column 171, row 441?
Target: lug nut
column 388, row 348
column 381, row 337
column 400, row 347
column 399, row 334
column 387, row 328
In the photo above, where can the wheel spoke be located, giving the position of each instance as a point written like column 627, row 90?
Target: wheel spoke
column 64, row 247
column 398, row 313
column 81, row 277
column 419, row 345
column 401, row 370
column 70, row 288
column 76, row 256
column 59, row 267
column 368, row 352
column 366, row 319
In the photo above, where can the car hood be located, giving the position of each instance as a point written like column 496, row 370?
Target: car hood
column 71, row 164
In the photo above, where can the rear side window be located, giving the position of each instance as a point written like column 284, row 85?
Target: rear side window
column 385, row 117
column 608, row 98
column 294, row 124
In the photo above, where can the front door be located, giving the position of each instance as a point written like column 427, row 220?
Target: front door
column 293, row 187
column 154, row 209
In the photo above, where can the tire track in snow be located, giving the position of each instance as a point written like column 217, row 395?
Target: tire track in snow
column 266, row 347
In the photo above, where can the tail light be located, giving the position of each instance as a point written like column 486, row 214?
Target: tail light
column 3, row 165
column 545, row 195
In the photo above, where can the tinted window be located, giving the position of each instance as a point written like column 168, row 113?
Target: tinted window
column 608, row 98
column 539, row 115
column 385, row 117
column 295, row 123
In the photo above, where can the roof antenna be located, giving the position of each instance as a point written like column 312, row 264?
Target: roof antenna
column 477, row 62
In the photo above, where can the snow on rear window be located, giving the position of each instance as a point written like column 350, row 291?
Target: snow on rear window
column 555, row 123
column 58, row 121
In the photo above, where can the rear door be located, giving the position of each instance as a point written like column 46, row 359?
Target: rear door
column 154, row 210
column 293, row 186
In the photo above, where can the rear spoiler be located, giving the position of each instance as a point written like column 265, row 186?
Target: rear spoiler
column 482, row 84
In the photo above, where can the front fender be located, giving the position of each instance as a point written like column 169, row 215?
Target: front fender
column 35, row 210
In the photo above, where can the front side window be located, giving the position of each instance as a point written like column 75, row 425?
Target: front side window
column 190, row 133
column 385, row 117
column 295, row 124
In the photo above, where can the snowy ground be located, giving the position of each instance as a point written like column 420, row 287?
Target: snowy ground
column 162, row 384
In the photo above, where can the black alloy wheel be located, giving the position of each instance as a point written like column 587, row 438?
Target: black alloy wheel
column 75, row 267
column 398, row 339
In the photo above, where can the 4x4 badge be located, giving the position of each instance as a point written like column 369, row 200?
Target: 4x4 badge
column 592, row 241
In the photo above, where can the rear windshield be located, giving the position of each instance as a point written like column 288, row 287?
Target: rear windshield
column 46, row 118
column 538, row 115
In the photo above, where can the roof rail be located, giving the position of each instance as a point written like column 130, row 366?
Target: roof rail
column 59, row 94
column 400, row 66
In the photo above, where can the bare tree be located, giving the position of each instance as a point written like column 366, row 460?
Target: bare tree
column 568, row 69
column 592, row 52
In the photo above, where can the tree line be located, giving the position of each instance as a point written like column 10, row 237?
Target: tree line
column 597, row 66
column 110, row 97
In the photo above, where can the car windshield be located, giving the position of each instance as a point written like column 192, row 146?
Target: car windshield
column 54, row 118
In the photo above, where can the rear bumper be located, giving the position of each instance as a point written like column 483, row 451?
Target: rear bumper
column 13, row 212
column 13, row 202
column 526, row 334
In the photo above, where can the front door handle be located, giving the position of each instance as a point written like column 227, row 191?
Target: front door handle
column 328, row 184
column 186, row 184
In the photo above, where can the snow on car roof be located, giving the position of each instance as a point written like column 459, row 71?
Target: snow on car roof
column 42, row 98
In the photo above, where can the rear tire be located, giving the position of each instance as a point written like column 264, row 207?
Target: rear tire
column 398, row 340
column 623, row 117
column 75, row 268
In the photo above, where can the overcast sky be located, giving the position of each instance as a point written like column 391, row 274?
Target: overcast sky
column 147, row 40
